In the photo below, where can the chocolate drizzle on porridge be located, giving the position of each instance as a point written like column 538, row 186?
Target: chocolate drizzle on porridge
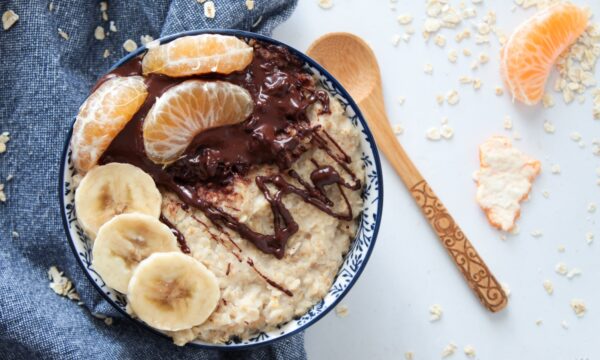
column 178, row 235
column 277, row 132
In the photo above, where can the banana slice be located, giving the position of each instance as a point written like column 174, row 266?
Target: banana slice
column 124, row 241
column 173, row 291
column 114, row 189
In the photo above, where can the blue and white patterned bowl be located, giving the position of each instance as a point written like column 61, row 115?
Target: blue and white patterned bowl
column 355, row 261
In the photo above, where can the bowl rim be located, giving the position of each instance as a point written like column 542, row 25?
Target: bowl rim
column 366, row 130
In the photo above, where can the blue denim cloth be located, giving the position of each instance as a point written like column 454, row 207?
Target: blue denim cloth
column 43, row 80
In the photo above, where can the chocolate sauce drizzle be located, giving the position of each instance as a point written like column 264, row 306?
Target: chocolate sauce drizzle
column 178, row 235
column 277, row 132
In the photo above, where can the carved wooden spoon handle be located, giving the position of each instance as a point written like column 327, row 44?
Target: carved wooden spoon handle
column 478, row 276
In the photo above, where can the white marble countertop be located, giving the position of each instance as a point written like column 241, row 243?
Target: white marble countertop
column 409, row 270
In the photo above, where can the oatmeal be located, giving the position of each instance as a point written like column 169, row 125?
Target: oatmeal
column 229, row 189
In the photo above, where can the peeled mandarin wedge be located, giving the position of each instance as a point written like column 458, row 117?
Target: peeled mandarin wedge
column 199, row 54
column 528, row 56
column 187, row 109
column 102, row 116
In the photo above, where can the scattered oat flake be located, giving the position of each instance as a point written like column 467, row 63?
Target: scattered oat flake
column 555, row 169
column 561, row 269
column 4, row 138
column 103, row 6
column 547, row 101
column 548, row 286
column 591, row 208
column 145, row 39
column 9, row 18
column 99, row 33
column 396, row 39
column 405, row 19
column 549, row 127
column 428, row 69
column 61, row 285
column 477, row 84
column 449, row 350
column 433, row 134
column 409, row 355
column 465, row 34
column 539, row 322
column 398, row 129
column 402, row 99
column 250, row 4
column 508, row 124
column 564, row 324
column 452, row 56
column 63, row 34
column 465, row 79
column 106, row 53
column 326, row 4
column 452, row 97
column 574, row 272
column 15, row 234
column 575, row 136
column 341, row 310
column 536, row 233
column 439, row 99
column 2, row 194
column 578, row 307
column 436, row 312
column 546, row 194
column 561, row 248
column 466, row 52
column 446, row 131
column 209, row 9
column 589, row 237
column 440, row 40
column 484, row 58
column 112, row 27
column 469, row 351
column 129, row 45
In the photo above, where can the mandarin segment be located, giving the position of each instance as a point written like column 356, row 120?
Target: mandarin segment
column 102, row 116
column 199, row 54
column 528, row 56
column 188, row 109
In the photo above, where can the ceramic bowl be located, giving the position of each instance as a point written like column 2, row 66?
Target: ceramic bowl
column 354, row 262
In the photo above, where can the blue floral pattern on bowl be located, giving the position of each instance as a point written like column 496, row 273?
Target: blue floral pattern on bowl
column 354, row 262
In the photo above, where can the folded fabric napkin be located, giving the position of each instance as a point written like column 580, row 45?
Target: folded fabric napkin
column 49, row 59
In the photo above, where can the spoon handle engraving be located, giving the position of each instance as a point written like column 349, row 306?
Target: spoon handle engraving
column 478, row 276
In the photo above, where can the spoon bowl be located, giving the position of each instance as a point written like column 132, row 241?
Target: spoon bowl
column 354, row 65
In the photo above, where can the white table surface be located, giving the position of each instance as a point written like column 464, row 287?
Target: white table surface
column 409, row 270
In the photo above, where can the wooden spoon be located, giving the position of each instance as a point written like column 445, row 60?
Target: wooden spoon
column 353, row 63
